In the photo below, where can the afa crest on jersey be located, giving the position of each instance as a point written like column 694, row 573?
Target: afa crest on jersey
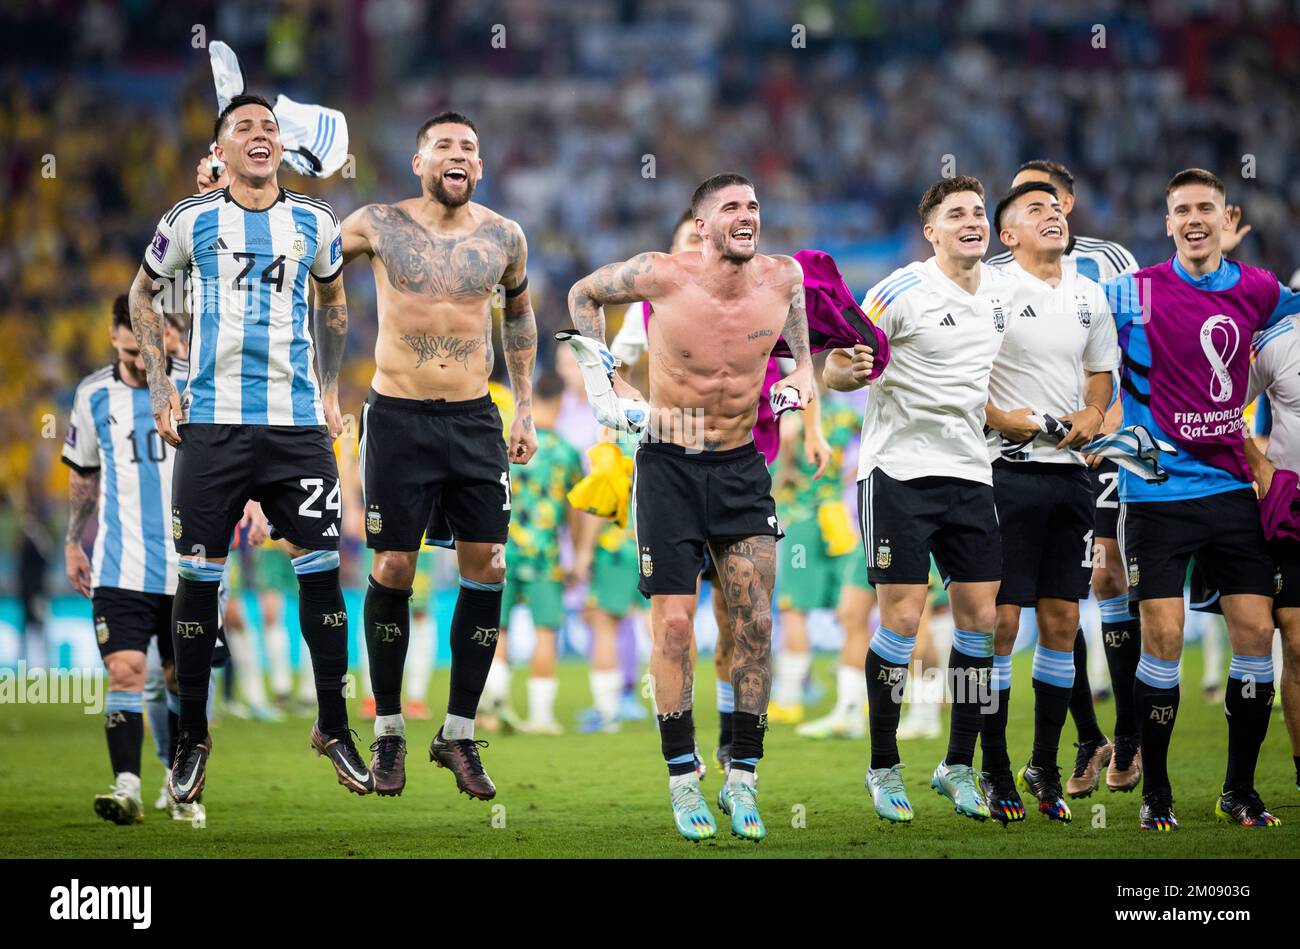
column 1085, row 314
column 999, row 317
column 299, row 248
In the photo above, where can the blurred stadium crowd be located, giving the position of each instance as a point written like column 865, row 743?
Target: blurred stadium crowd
column 597, row 120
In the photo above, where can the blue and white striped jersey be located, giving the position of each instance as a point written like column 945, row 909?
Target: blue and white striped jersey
column 250, row 342
column 112, row 431
column 1095, row 259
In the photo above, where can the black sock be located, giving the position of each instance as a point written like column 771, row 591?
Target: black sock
column 194, row 628
column 1157, row 708
column 725, row 730
column 1248, row 705
column 993, row 735
column 885, row 683
column 1123, row 647
column 747, row 740
column 1051, row 703
column 324, row 620
column 124, row 729
column 174, row 732
column 971, row 675
column 1081, row 708
column 388, row 628
column 474, row 629
column 677, row 739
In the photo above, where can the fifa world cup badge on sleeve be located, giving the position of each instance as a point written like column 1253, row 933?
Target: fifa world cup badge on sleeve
column 158, row 246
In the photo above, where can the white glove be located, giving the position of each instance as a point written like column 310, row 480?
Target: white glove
column 597, row 365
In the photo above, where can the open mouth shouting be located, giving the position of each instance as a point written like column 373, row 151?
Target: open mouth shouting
column 259, row 153
column 971, row 239
column 1196, row 236
column 1052, row 232
column 455, row 176
column 743, row 234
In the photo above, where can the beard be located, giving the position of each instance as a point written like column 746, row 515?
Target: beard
column 722, row 245
column 129, row 371
column 443, row 197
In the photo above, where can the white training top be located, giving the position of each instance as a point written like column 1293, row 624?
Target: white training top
column 1275, row 369
column 1053, row 337
column 250, row 338
column 925, row 413
column 112, row 431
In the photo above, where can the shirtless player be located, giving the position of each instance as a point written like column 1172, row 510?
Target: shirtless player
column 705, row 484
column 430, row 436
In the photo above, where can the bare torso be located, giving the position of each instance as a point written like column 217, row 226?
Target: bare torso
column 435, row 290
column 709, row 342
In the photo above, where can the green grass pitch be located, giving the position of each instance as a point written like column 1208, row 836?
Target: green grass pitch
column 576, row 795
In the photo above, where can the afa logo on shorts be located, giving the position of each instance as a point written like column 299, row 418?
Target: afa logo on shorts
column 101, row 629
column 1277, row 582
column 176, row 524
column 884, row 556
column 1134, row 574
column 647, row 564
column 374, row 522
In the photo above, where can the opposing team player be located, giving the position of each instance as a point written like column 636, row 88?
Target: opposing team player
column 1275, row 371
column 1184, row 327
column 700, row 482
column 925, row 484
column 256, row 420
column 121, row 470
column 431, row 435
column 1055, row 364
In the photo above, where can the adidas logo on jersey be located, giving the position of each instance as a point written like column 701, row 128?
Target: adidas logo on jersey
column 1029, row 312
column 331, row 531
column 948, row 320
column 219, row 244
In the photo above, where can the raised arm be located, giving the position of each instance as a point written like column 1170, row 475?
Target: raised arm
column 624, row 282
column 147, row 324
column 519, row 344
column 330, row 332
column 358, row 232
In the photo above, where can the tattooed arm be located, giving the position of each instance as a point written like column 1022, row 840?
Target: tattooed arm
column 147, row 323
column 83, row 502
column 357, row 234
column 330, row 332
column 626, row 282
column 519, row 344
column 795, row 333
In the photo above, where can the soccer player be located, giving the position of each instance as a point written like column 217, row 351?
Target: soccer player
column 1275, row 370
column 534, row 576
column 257, row 420
column 1057, row 360
column 1184, row 327
column 1099, row 260
column 925, row 484
column 431, row 434
column 121, row 470
column 820, row 539
column 700, row 482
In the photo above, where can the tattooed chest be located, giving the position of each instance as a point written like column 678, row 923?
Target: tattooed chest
column 459, row 267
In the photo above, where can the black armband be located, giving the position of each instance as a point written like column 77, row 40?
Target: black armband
column 523, row 285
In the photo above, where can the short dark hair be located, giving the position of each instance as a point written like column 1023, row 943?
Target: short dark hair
column 935, row 194
column 1195, row 176
column 1059, row 174
column 1025, row 187
column 122, row 311
column 447, row 117
column 244, row 98
column 713, row 185
column 549, row 385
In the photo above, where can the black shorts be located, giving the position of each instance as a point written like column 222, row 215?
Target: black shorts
column 128, row 619
column 684, row 500
column 1045, row 512
column 1105, row 491
column 433, row 467
column 289, row 469
column 904, row 522
column 1221, row 532
column 1286, row 573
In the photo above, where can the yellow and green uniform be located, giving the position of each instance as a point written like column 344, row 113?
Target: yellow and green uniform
column 273, row 569
column 537, row 511
column 819, row 533
column 614, row 562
